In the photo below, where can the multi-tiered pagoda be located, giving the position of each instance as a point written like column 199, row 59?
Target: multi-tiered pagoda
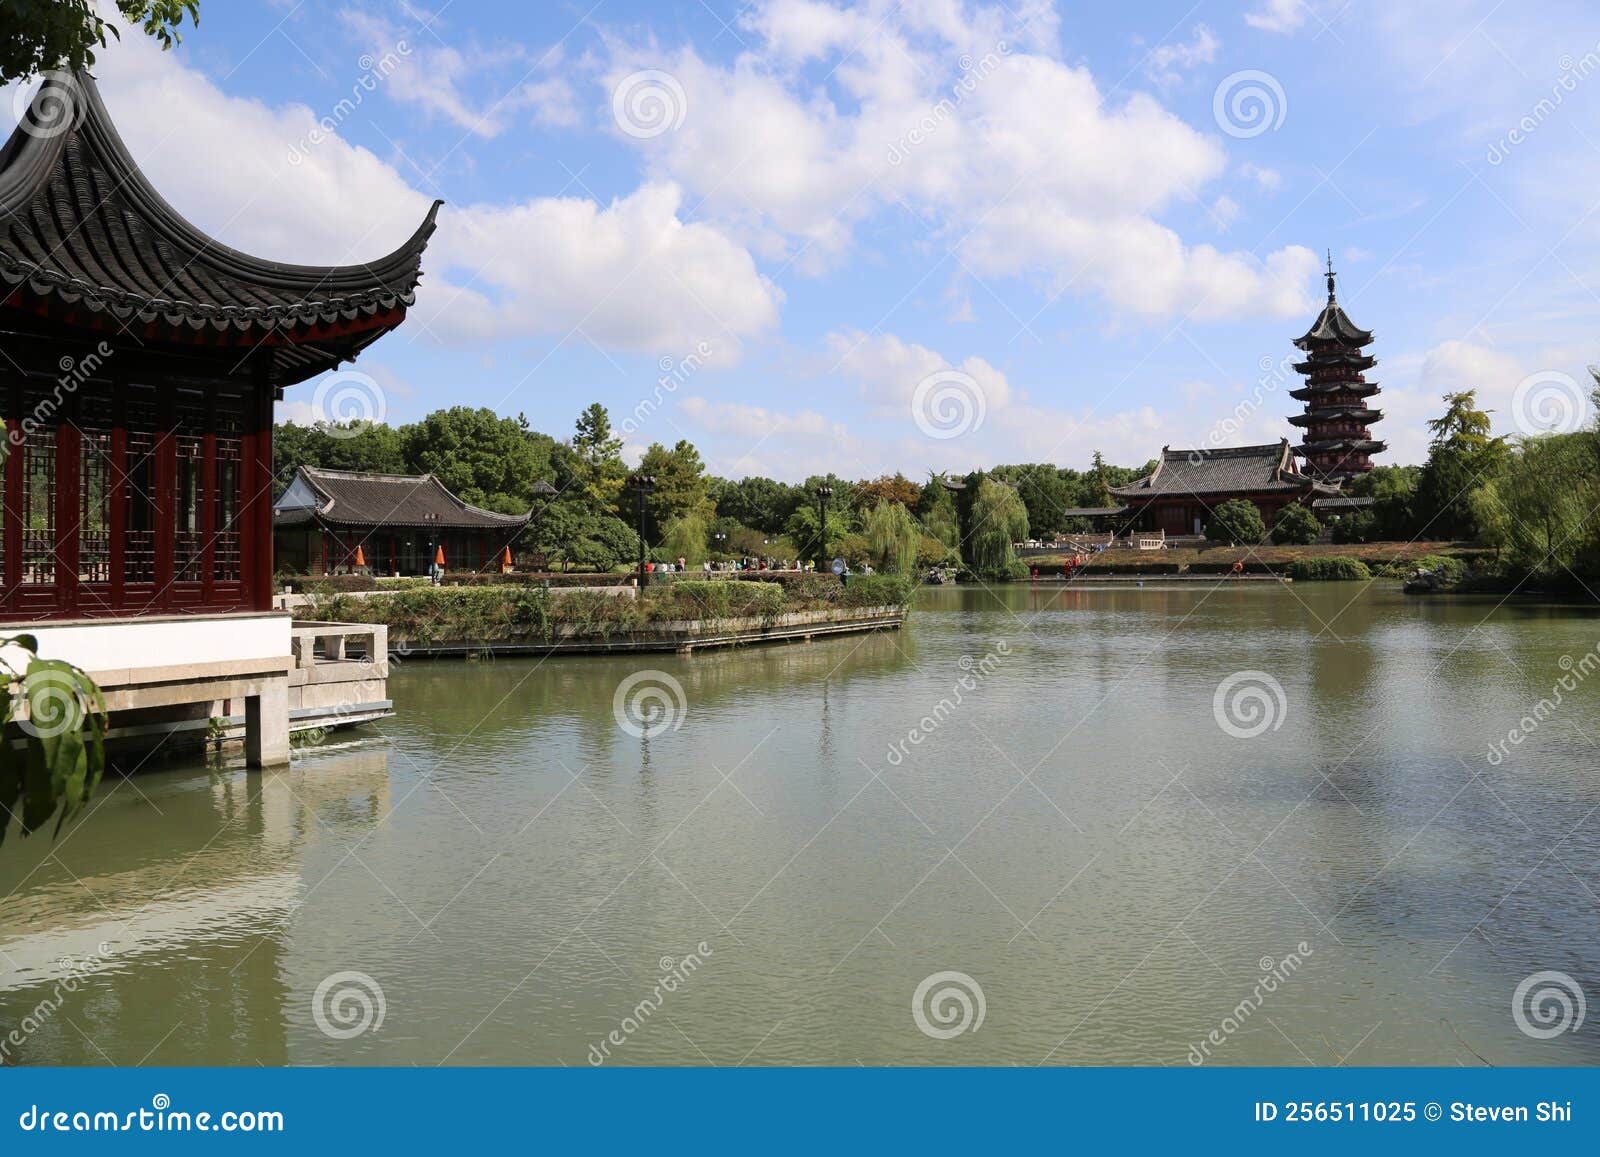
column 1338, row 442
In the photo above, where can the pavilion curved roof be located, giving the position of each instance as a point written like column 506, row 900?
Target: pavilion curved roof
column 85, row 238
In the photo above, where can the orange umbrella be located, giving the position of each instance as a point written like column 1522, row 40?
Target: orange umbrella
column 361, row 558
column 438, row 559
column 505, row 561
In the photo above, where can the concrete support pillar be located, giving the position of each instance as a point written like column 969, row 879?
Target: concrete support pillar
column 266, row 725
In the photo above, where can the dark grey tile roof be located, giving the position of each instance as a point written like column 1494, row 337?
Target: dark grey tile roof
column 348, row 498
column 1230, row 470
column 84, row 233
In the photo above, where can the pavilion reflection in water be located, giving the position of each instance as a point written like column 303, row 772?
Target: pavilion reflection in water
column 205, row 932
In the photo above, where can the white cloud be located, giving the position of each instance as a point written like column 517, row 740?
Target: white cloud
column 417, row 68
column 1278, row 15
column 1015, row 158
column 888, row 370
column 632, row 275
column 1166, row 61
column 1269, row 179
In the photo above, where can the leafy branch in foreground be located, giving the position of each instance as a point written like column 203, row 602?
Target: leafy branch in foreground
column 52, row 760
column 48, row 34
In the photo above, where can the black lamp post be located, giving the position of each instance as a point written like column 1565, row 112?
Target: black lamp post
column 824, row 493
column 641, row 485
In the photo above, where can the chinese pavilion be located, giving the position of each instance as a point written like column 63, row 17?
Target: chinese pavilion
column 1337, row 443
column 332, row 521
column 139, row 360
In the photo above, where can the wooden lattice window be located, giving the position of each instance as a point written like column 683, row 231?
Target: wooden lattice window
column 142, row 420
column 94, row 506
column 189, row 546
column 226, row 563
column 38, row 511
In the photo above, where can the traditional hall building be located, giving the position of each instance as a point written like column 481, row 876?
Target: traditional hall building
column 139, row 362
column 1177, row 498
column 340, row 521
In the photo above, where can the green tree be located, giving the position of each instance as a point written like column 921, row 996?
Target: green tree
column 365, row 446
column 481, row 457
column 685, row 537
column 571, row 531
column 1296, row 525
column 1237, row 523
column 759, row 503
column 1539, row 511
column 999, row 521
column 892, row 538
column 51, row 34
column 937, row 509
column 600, row 468
column 1462, row 457
column 1393, row 490
column 682, row 489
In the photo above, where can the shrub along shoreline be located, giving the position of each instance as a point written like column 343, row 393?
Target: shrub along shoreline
column 506, row 613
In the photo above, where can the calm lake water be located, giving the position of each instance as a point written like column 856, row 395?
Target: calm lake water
column 1079, row 828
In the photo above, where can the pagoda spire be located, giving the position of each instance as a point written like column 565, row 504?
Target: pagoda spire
column 1338, row 443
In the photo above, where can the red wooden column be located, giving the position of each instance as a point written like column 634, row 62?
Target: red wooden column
column 68, row 484
column 255, row 517
column 11, row 493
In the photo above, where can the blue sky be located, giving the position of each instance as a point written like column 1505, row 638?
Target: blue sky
column 927, row 234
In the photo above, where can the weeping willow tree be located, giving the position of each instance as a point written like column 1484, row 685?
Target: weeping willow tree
column 999, row 521
column 892, row 538
column 685, row 537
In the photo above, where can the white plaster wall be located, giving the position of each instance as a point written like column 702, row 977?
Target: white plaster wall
column 162, row 642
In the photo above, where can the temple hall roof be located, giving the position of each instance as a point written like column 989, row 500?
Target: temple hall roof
column 360, row 499
column 1230, row 470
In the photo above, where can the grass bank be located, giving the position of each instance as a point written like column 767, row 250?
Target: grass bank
column 486, row 615
column 1305, row 563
